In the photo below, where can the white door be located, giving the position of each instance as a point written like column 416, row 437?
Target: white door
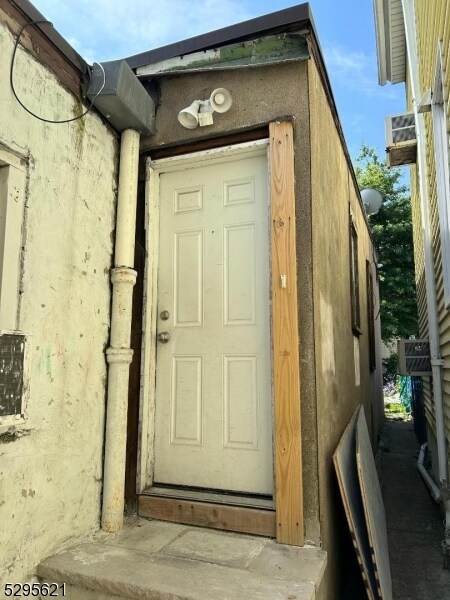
column 213, row 422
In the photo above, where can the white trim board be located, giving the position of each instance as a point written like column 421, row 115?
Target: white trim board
column 442, row 170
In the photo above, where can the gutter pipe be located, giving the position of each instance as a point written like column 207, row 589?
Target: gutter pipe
column 119, row 355
column 433, row 324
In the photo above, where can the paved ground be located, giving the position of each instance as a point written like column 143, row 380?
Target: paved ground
column 415, row 527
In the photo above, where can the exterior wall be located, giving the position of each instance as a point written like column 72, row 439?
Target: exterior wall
column 433, row 24
column 329, row 392
column 343, row 376
column 260, row 95
column 51, row 466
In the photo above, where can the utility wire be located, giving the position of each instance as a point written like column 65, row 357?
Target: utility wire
column 11, row 80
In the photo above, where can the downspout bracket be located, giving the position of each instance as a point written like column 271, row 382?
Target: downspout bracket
column 436, row 362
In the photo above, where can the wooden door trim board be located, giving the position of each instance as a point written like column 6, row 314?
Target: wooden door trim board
column 216, row 516
column 286, row 361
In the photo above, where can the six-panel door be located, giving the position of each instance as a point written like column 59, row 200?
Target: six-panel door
column 213, row 422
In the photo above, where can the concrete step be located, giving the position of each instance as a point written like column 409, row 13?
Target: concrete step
column 164, row 561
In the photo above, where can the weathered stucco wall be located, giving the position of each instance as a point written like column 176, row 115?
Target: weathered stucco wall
column 260, row 95
column 343, row 376
column 50, row 476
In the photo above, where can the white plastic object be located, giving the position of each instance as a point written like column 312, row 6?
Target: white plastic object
column 221, row 100
column 188, row 117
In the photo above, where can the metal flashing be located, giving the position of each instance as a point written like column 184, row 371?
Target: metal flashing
column 251, row 53
column 282, row 21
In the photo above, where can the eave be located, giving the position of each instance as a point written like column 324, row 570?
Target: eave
column 391, row 41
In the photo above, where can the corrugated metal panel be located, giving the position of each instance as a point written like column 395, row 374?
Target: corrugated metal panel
column 433, row 23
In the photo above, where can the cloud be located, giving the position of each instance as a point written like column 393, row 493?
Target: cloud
column 109, row 29
column 357, row 71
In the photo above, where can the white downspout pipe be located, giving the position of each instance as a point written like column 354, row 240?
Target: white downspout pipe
column 433, row 324
column 119, row 354
column 434, row 490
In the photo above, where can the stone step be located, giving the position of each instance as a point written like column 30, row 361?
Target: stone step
column 164, row 561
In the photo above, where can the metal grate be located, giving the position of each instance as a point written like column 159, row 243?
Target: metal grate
column 401, row 139
column 414, row 357
column 403, row 128
column 12, row 364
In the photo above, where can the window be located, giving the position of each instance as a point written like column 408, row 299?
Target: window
column 12, row 199
column 442, row 171
column 354, row 280
column 371, row 316
column 13, row 343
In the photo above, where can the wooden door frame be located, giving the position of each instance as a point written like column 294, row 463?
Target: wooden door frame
column 287, row 522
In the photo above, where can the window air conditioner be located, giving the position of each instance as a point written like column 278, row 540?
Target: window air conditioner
column 414, row 357
column 401, row 139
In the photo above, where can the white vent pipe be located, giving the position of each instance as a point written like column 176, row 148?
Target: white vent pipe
column 119, row 354
column 434, row 490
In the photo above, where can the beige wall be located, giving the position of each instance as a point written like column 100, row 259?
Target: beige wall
column 343, row 376
column 50, row 475
column 260, row 95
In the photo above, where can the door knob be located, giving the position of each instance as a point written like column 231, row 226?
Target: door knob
column 163, row 337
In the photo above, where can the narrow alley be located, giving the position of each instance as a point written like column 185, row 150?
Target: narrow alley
column 415, row 527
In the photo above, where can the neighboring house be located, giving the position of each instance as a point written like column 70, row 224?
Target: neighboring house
column 413, row 39
column 254, row 319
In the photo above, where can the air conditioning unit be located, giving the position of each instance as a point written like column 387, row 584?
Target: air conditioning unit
column 401, row 139
column 414, row 357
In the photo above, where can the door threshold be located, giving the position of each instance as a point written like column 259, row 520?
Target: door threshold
column 211, row 496
column 244, row 519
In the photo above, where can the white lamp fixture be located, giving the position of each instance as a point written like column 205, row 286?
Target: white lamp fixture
column 372, row 200
column 200, row 112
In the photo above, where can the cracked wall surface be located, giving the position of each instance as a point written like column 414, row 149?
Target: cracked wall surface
column 51, row 467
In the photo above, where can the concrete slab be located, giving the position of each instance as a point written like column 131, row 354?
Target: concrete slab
column 185, row 563
column 283, row 562
column 143, row 535
column 216, row 547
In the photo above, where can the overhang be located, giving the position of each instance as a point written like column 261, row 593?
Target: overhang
column 391, row 41
column 289, row 19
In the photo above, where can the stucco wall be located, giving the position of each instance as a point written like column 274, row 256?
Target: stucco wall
column 260, row 95
column 50, row 476
column 343, row 376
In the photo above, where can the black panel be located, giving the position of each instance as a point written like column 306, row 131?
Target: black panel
column 12, row 357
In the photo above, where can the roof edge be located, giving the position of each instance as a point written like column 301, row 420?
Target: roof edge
column 288, row 17
column 380, row 37
column 391, row 41
column 31, row 13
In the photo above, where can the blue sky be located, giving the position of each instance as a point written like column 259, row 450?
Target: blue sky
column 109, row 29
